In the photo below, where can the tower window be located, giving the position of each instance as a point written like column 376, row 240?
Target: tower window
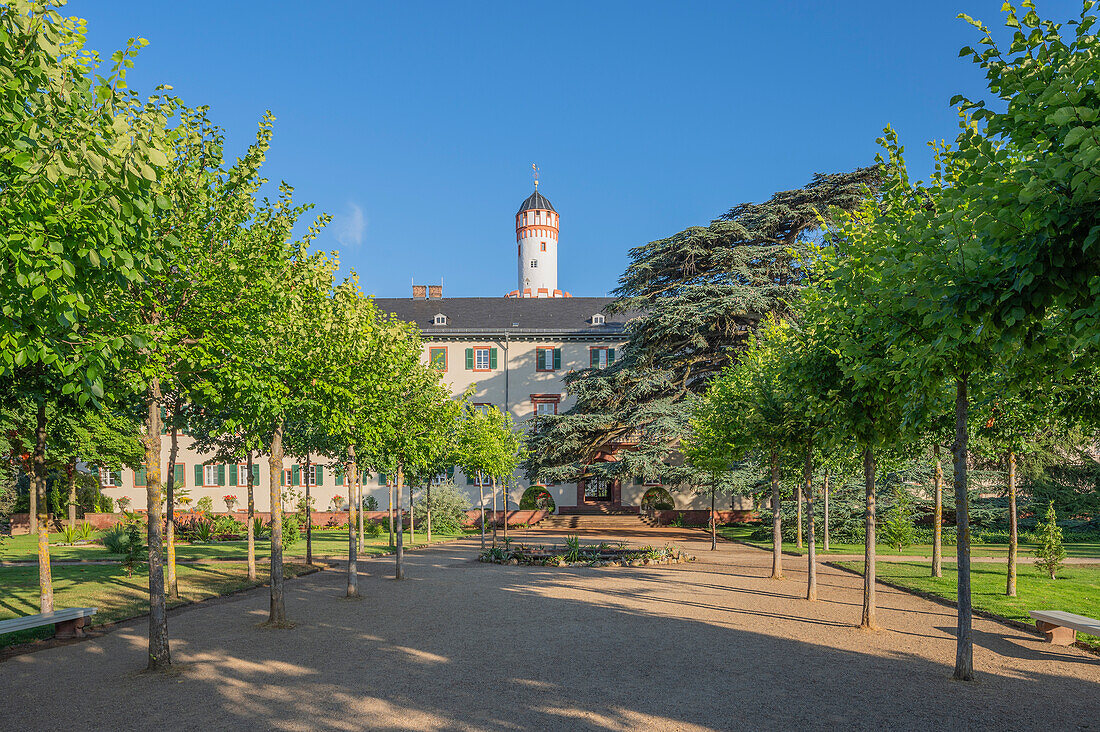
column 597, row 319
column 534, row 263
column 439, row 319
column 542, row 246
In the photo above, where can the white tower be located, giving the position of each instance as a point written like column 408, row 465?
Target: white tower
column 537, row 248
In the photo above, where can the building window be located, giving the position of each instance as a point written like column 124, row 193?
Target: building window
column 482, row 407
column 481, row 359
column 242, row 474
column 599, row 358
column 485, row 480
column 108, row 478
column 437, row 358
column 545, row 404
column 209, row 475
column 542, row 246
column 598, row 319
column 439, row 319
column 547, row 359
column 534, row 263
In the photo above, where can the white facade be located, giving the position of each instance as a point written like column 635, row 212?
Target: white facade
column 537, row 236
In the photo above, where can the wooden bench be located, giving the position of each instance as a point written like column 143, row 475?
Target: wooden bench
column 1061, row 627
column 67, row 623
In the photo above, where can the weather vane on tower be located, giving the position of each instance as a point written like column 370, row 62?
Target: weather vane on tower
column 535, row 170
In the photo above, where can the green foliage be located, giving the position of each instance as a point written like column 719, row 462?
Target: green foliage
column 69, row 533
column 897, row 528
column 657, row 499
column 85, row 531
column 537, row 497
column 292, row 531
column 449, row 506
column 134, row 548
column 370, row 503
column 114, row 539
column 1050, row 554
column 572, row 548
column 205, row 505
column 373, row 528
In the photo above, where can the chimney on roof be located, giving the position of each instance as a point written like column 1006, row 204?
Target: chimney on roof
column 428, row 292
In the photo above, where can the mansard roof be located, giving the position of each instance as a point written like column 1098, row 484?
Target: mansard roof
column 566, row 315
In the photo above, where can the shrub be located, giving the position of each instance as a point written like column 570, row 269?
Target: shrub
column 1051, row 553
column 260, row 530
column 85, row 531
column 897, row 529
column 657, row 499
column 134, row 550
column 370, row 503
column 205, row 504
column 537, row 498
column 69, row 533
column 372, row 528
column 449, row 507
column 291, row 530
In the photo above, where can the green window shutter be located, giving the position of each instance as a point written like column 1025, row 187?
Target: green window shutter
column 178, row 472
column 338, row 475
column 139, row 477
column 610, row 356
column 381, row 479
column 540, row 359
column 296, row 475
column 469, row 359
column 557, row 359
column 221, row 475
column 233, row 474
column 198, row 475
column 118, row 477
column 451, row 472
column 492, row 358
column 471, row 479
column 320, row 475
column 282, row 478
column 164, row 420
column 593, row 357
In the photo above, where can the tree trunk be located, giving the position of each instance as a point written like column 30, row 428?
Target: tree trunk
column 937, row 517
column 713, row 522
column 1013, row 534
column 811, row 561
column 32, row 497
column 777, row 520
column 390, row 509
column 825, row 528
column 359, row 503
column 277, row 613
column 494, row 491
column 70, row 473
column 798, row 515
column 412, row 520
column 504, row 501
column 481, row 503
column 309, row 518
column 429, row 511
column 353, row 569
column 170, row 502
column 869, row 603
column 251, row 523
column 160, row 657
column 400, row 573
column 45, row 576
column 964, row 648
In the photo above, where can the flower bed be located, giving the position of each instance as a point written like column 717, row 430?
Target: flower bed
column 575, row 554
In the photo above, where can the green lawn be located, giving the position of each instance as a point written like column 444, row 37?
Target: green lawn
column 117, row 597
column 1077, row 589
column 742, row 533
column 325, row 544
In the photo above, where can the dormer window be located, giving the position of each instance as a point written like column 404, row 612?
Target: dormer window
column 439, row 319
column 597, row 319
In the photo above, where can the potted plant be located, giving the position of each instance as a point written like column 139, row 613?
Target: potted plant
column 123, row 503
column 230, row 502
column 337, row 502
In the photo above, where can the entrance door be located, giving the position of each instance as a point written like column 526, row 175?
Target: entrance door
column 597, row 489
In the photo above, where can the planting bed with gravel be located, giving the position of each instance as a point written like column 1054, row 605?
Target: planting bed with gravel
column 575, row 554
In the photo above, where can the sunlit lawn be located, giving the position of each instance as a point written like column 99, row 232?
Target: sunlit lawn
column 742, row 533
column 116, row 596
column 328, row 543
column 1077, row 589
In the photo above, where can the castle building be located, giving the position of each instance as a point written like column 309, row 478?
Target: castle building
column 514, row 350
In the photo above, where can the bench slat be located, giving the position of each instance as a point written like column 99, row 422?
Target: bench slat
column 1067, row 620
column 34, row 621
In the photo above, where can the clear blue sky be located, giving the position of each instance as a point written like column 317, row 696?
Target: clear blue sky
column 415, row 124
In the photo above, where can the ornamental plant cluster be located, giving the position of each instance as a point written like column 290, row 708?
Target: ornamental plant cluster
column 152, row 286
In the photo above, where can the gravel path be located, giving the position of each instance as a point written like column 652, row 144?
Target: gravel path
column 464, row 645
